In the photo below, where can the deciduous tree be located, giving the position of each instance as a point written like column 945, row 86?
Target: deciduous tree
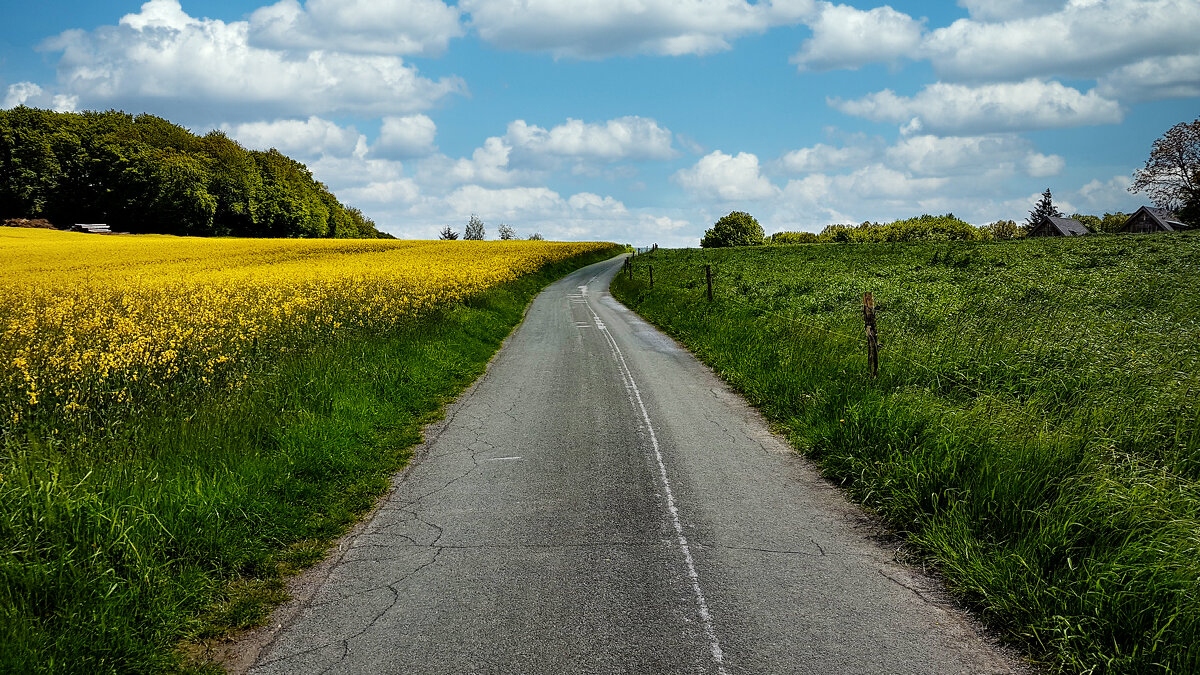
column 1171, row 176
column 736, row 229
column 474, row 229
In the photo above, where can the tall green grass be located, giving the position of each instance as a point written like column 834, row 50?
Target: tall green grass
column 1034, row 429
column 118, row 543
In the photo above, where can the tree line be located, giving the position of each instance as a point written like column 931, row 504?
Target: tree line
column 144, row 174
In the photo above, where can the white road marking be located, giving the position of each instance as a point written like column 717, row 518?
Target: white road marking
column 635, row 399
column 501, row 459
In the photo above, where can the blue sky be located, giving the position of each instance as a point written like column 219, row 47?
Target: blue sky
column 644, row 120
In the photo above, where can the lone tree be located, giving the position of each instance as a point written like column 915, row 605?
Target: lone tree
column 736, row 229
column 474, row 228
column 1045, row 207
column 1171, row 176
column 506, row 232
column 447, row 233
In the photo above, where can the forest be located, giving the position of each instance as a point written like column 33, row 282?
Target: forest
column 144, row 174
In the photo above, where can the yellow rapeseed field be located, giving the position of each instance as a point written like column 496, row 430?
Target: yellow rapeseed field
column 97, row 325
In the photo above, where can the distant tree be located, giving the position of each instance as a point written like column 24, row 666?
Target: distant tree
column 1004, row 229
column 1090, row 222
column 1045, row 207
column 1171, row 176
column 1113, row 222
column 736, row 229
column 447, row 233
column 793, row 238
column 474, row 228
column 536, row 236
column 506, row 232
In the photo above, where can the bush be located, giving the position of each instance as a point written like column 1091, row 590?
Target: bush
column 794, row 238
column 736, row 229
column 921, row 228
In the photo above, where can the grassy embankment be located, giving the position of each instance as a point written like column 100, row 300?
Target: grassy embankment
column 1034, row 428
column 176, row 524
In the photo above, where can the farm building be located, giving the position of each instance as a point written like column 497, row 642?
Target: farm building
column 1049, row 226
column 1149, row 219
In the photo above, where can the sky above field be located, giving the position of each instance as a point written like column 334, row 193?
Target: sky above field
column 644, row 120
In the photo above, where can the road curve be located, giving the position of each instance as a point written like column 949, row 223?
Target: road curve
column 600, row 502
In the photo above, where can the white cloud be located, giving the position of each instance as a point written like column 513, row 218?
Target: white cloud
column 1152, row 79
column 163, row 55
column 949, row 156
column 1085, row 38
column 600, row 28
column 32, row 95
column 408, row 136
column 1038, row 165
column 942, row 108
column 19, row 93
column 403, row 190
column 721, row 177
column 588, row 201
column 1001, row 10
column 622, row 138
column 1109, row 196
column 422, row 27
column 822, row 157
column 305, row 138
column 845, row 37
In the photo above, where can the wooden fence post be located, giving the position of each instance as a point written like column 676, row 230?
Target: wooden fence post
column 708, row 280
column 651, row 268
column 872, row 336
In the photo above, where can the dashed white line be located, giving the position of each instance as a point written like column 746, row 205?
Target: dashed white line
column 635, row 399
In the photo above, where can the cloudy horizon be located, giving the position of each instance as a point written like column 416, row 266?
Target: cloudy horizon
column 644, row 121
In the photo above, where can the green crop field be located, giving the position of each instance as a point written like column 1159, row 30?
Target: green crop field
column 1033, row 430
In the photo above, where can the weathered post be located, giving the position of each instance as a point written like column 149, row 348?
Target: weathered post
column 872, row 335
column 708, row 280
column 651, row 268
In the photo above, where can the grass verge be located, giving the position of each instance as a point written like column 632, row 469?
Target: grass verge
column 1034, row 429
column 181, row 524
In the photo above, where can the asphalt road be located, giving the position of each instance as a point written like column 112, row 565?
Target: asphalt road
column 600, row 502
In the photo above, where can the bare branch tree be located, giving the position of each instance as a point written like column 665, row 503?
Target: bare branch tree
column 1171, row 176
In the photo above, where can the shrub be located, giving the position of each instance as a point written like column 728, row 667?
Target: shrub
column 794, row 238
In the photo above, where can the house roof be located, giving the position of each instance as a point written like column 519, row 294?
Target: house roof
column 1067, row 227
column 1164, row 218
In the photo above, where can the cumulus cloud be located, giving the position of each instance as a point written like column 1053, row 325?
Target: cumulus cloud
column 162, row 54
column 1002, row 10
column 600, row 28
column 304, row 138
column 721, row 177
column 928, row 155
column 1038, row 165
column 32, row 95
column 422, row 27
column 1153, row 79
column 846, row 37
column 408, row 136
column 943, row 108
column 622, row 138
column 1083, row 39
column 402, row 190
column 1110, row 196
column 822, row 157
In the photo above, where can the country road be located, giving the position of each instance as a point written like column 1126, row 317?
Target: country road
column 600, row 502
